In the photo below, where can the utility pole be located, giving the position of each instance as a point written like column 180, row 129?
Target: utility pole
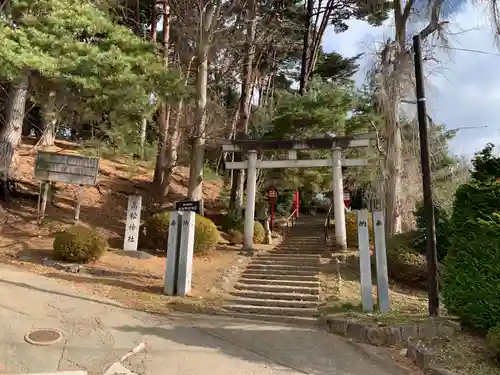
column 432, row 263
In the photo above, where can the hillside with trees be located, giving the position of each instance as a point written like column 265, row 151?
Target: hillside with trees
column 160, row 84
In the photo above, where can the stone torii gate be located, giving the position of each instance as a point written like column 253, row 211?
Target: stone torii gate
column 336, row 144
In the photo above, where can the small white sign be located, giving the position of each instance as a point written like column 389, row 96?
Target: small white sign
column 365, row 261
column 133, row 222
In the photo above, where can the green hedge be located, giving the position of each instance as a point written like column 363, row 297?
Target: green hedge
column 231, row 223
column 471, row 280
column 493, row 338
column 79, row 244
column 351, row 227
column 404, row 263
column 259, row 233
column 155, row 235
column 442, row 222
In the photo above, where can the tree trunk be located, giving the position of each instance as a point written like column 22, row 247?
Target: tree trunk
column 244, row 104
column 49, row 121
column 10, row 135
column 144, row 131
column 207, row 24
column 154, row 22
column 4, row 100
column 318, row 37
column 164, row 118
column 173, row 141
column 394, row 168
column 306, row 48
column 144, row 122
column 195, row 190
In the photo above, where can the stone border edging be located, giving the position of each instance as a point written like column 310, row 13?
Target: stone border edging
column 397, row 335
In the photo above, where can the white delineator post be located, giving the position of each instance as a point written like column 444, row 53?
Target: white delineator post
column 186, row 253
column 250, row 203
column 381, row 258
column 171, row 270
column 338, row 199
column 364, row 261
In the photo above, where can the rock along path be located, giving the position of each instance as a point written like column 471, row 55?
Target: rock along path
column 98, row 332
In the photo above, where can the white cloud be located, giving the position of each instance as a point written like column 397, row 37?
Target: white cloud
column 465, row 89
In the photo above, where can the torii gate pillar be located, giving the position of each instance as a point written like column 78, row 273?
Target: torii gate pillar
column 338, row 199
column 250, row 203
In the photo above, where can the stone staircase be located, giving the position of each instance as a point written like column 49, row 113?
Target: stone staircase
column 283, row 285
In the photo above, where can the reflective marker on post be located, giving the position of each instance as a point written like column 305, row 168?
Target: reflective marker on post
column 172, row 253
column 186, row 253
column 381, row 258
column 364, row 261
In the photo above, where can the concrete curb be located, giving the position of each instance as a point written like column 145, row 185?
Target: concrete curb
column 422, row 356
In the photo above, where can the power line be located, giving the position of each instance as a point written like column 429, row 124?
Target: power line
column 472, row 51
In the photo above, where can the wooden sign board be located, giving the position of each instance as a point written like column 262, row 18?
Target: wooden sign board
column 69, row 169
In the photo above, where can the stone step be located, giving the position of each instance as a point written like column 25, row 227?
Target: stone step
column 273, row 302
column 295, row 252
column 301, row 242
column 295, row 320
column 278, row 271
column 278, row 288
column 286, row 276
column 258, row 281
column 302, row 246
column 275, row 295
column 271, row 267
column 284, row 262
column 312, row 244
column 272, row 310
column 277, row 254
column 314, row 258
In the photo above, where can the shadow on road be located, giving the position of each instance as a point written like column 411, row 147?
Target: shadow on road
column 309, row 351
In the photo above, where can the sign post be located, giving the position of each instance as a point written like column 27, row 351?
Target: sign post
column 173, row 243
column 185, row 268
column 53, row 167
column 133, row 222
column 180, row 247
column 381, row 258
column 272, row 197
column 364, row 261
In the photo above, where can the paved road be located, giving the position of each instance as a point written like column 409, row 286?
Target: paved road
column 98, row 332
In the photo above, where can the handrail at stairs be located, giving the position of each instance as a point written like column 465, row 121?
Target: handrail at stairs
column 327, row 224
column 290, row 222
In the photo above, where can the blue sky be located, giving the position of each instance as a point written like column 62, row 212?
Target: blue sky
column 463, row 90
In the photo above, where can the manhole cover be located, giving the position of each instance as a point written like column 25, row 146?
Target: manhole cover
column 43, row 336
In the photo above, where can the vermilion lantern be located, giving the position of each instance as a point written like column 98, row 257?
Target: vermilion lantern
column 347, row 198
column 272, row 197
column 272, row 194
